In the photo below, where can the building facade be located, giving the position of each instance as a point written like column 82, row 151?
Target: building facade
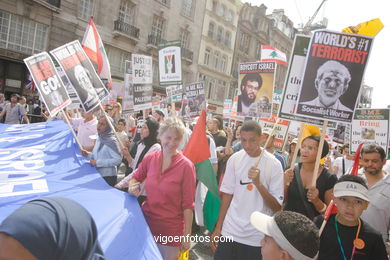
column 125, row 26
column 217, row 49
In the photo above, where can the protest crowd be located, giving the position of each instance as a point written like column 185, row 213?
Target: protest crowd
column 258, row 192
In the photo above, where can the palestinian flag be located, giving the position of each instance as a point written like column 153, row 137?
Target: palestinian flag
column 198, row 151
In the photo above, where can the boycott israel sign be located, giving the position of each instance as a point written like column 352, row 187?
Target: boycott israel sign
column 142, row 69
column 333, row 75
column 81, row 74
column 48, row 82
column 169, row 63
column 370, row 126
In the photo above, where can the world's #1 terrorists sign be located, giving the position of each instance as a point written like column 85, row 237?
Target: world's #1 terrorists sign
column 333, row 75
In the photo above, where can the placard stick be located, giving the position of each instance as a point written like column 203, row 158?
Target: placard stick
column 266, row 143
column 112, row 127
column 297, row 147
column 319, row 152
column 71, row 128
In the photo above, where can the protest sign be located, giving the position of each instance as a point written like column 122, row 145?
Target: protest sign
column 333, row 75
column 255, row 89
column 142, row 96
column 370, row 126
column 292, row 83
column 48, row 82
column 75, row 102
column 42, row 160
column 280, row 131
column 174, row 93
column 169, row 63
column 142, row 69
column 341, row 133
column 128, row 100
column 81, row 74
column 227, row 107
column 196, row 100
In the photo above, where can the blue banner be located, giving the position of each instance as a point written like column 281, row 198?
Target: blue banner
column 43, row 160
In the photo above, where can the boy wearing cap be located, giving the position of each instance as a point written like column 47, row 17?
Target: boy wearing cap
column 288, row 235
column 346, row 236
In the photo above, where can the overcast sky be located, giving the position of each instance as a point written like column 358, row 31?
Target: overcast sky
column 341, row 14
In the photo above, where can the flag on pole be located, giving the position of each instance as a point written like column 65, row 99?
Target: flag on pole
column 198, row 151
column 269, row 53
column 30, row 84
column 94, row 48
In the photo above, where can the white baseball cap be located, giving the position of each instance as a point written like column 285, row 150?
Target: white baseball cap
column 350, row 188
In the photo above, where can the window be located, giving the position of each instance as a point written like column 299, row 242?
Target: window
column 86, row 9
column 227, row 39
column 165, row 2
column 187, row 7
column 223, row 63
column 230, row 16
column 155, row 71
column 244, row 42
column 207, row 54
column 117, row 59
column 214, row 7
column 222, row 11
column 211, row 86
column 184, row 36
column 219, row 34
column 219, row 93
column 211, row 30
column 20, row 34
column 126, row 12
column 158, row 27
column 216, row 60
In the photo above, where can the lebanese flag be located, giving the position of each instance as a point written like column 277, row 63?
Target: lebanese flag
column 94, row 48
column 269, row 53
column 207, row 201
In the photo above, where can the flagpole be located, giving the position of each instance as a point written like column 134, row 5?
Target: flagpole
column 319, row 152
column 71, row 128
column 112, row 127
column 297, row 147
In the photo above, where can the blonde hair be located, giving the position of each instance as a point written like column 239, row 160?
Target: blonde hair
column 172, row 123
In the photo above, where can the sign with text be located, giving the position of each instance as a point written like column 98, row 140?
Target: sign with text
column 280, row 132
column 48, row 82
column 169, row 63
column 142, row 69
column 142, row 97
column 128, row 100
column 196, row 100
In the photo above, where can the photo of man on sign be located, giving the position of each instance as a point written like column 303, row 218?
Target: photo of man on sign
column 331, row 82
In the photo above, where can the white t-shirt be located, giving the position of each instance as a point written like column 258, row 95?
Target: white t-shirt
column 86, row 131
column 244, row 203
column 338, row 162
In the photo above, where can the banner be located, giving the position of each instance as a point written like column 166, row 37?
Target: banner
column 280, row 132
column 142, row 97
column 42, row 159
column 81, row 74
column 333, row 75
column 196, row 100
column 48, row 82
column 169, row 63
column 142, row 69
column 293, row 80
column 370, row 126
column 128, row 99
column 255, row 89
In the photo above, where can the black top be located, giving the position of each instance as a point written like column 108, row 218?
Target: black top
column 219, row 139
column 294, row 202
column 374, row 248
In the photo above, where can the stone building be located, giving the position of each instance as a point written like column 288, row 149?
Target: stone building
column 126, row 27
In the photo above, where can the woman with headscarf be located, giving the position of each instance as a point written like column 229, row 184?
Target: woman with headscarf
column 105, row 155
column 50, row 228
column 300, row 196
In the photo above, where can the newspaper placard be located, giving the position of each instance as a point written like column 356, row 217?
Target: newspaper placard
column 280, row 131
column 196, row 100
column 293, row 80
column 75, row 102
column 142, row 97
column 255, row 90
column 333, row 75
column 227, row 107
column 169, row 63
column 128, row 99
column 81, row 74
column 142, row 69
column 370, row 126
column 48, row 82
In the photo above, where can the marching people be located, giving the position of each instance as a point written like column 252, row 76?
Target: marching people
column 343, row 164
column 300, row 196
column 248, row 185
column 346, row 235
column 105, row 155
column 14, row 112
column 121, row 130
column 170, row 186
column 86, row 128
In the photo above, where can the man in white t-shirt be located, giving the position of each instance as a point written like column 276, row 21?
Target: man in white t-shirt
column 86, row 130
column 247, row 186
column 343, row 165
